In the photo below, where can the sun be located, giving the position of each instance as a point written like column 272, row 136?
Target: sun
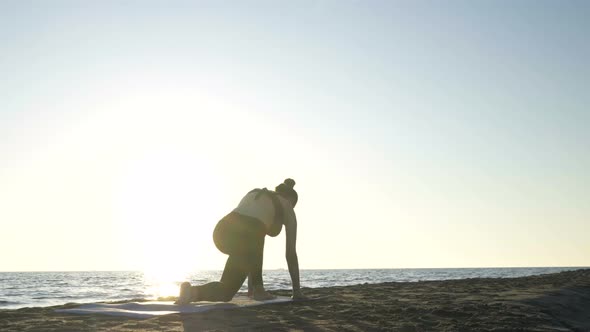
column 167, row 204
column 164, row 281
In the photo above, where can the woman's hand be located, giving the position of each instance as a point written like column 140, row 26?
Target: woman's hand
column 298, row 295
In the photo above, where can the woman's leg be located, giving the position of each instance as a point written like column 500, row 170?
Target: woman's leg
column 247, row 263
column 234, row 274
column 243, row 240
column 255, row 260
column 255, row 284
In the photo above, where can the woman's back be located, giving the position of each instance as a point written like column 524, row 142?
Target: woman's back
column 257, row 206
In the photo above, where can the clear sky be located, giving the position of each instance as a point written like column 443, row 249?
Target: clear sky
column 420, row 134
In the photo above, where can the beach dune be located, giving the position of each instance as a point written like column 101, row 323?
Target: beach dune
column 554, row 302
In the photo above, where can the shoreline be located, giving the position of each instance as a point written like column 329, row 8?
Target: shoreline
column 313, row 278
column 548, row 302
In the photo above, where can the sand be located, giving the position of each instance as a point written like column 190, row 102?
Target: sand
column 554, row 302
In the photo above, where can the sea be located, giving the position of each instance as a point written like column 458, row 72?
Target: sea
column 41, row 289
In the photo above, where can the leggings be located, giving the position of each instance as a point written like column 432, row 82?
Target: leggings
column 242, row 238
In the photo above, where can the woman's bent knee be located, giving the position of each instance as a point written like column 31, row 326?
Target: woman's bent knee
column 226, row 297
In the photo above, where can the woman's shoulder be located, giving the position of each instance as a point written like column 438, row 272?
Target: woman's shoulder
column 289, row 217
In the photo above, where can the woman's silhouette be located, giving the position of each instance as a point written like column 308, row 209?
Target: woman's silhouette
column 240, row 234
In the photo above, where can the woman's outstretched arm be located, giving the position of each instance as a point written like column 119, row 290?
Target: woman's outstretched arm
column 291, row 253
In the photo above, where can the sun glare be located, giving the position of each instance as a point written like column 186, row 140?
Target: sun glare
column 166, row 207
column 164, row 281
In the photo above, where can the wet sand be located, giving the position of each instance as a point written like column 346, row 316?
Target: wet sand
column 554, row 302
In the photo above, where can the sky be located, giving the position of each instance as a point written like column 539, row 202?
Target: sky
column 421, row 134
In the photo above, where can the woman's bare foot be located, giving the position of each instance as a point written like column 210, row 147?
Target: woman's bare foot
column 298, row 295
column 259, row 294
column 185, row 294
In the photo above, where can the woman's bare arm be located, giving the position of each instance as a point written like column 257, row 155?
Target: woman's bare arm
column 291, row 252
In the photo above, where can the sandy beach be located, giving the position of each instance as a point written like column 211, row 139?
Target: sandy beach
column 555, row 302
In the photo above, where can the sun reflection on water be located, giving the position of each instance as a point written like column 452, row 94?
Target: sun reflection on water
column 164, row 282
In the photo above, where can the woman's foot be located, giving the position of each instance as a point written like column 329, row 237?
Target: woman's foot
column 259, row 294
column 185, row 294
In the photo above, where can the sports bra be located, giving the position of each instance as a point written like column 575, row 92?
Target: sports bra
column 266, row 206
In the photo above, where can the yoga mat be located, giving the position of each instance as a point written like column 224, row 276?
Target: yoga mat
column 158, row 308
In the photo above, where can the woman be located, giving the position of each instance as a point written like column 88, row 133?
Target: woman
column 241, row 235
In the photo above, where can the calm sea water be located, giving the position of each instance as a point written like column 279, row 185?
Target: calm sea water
column 35, row 289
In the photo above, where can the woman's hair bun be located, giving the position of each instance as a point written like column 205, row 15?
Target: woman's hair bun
column 286, row 190
column 289, row 183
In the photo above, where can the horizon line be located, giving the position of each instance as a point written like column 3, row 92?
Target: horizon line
column 319, row 269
